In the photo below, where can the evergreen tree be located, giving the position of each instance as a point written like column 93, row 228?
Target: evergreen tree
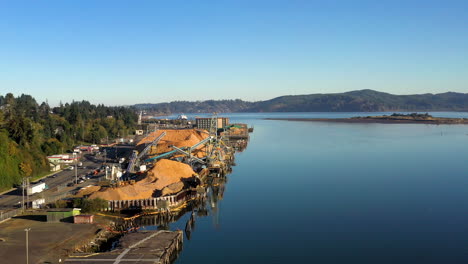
column 30, row 131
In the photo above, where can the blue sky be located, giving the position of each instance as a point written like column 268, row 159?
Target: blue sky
column 125, row 52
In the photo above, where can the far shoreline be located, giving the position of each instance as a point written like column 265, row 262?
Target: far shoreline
column 380, row 120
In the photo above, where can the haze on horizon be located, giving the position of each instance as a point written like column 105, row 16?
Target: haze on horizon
column 121, row 53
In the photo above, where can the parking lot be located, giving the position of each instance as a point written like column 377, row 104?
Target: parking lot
column 48, row 242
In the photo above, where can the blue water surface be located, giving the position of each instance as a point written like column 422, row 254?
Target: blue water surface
column 317, row 192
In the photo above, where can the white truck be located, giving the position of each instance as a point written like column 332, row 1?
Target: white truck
column 36, row 188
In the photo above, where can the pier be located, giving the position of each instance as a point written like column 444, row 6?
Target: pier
column 157, row 247
column 164, row 202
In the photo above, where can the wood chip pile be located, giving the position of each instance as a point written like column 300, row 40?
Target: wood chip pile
column 164, row 173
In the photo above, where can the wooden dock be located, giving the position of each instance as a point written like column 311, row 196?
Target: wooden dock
column 157, row 247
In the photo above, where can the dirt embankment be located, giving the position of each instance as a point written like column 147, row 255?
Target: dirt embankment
column 164, row 173
column 87, row 191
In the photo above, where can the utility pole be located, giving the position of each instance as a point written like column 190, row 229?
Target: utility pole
column 105, row 156
column 27, row 194
column 76, row 169
column 22, row 192
column 27, row 246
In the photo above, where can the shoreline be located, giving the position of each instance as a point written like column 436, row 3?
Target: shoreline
column 380, row 120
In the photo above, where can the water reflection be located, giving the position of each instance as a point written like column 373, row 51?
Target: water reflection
column 203, row 207
column 213, row 188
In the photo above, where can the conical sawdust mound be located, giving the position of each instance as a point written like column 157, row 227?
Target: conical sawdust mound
column 164, row 173
column 176, row 137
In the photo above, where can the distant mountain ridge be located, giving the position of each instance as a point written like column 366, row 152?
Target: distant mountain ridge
column 354, row 101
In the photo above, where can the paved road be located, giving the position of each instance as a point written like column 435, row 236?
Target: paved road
column 48, row 242
column 57, row 183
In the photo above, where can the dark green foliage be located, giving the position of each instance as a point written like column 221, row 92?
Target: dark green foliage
column 355, row 101
column 363, row 101
column 413, row 115
column 29, row 132
column 77, row 203
column 60, row 204
column 93, row 205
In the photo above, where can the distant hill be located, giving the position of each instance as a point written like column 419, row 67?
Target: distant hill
column 209, row 106
column 354, row 101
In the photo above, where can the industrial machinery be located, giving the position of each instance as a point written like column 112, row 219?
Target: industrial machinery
column 136, row 157
column 184, row 150
column 215, row 148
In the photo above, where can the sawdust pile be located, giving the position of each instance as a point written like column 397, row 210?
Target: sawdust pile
column 238, row 130
column 164, row 173
column 175, row 137
column 88, row 190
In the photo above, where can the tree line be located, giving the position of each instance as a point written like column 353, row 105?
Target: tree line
column 30, row 131
column 354, row 101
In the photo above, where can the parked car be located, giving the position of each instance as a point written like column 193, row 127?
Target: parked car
column 70, row 184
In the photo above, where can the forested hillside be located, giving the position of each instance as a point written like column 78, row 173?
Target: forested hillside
column 30, row 131
column 363, row 101
column 208, row 106
column 354, row 101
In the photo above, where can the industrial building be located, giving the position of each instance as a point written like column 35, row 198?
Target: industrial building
column 83, row 219
column 91, row 148
column 62, row 158
column 205, row 122
column 55, row 161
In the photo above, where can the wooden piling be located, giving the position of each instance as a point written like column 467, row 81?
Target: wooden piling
column 158, row 247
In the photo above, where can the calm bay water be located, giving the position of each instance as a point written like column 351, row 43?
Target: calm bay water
column 309, row 192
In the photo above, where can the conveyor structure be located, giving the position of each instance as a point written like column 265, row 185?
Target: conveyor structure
column 134, row 160
column 183, row 150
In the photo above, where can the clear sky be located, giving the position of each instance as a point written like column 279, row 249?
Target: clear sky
column 126, row 52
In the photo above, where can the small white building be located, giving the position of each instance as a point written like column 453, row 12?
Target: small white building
column 54, row 167
column 38, row 203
